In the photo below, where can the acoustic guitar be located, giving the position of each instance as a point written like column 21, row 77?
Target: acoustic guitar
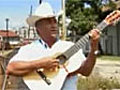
column 42, row 79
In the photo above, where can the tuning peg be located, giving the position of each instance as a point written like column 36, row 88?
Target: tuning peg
column 116, row 21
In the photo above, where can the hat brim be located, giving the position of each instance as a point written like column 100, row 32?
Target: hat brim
column 33, row 19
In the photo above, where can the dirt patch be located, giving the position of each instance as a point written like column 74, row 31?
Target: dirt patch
column 108, row 69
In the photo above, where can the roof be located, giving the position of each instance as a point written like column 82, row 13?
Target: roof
column 5, row 33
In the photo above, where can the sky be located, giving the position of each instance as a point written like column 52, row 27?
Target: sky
column 18, row 10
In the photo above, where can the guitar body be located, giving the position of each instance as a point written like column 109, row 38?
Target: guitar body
column 35, row 82
column 57, row 77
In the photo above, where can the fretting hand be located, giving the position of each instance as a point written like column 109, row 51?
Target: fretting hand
column 95, row 35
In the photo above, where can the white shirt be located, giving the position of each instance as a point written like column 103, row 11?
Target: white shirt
column 38, row 49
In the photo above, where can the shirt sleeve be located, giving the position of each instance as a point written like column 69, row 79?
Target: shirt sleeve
column 24, row 54
column 18, row 56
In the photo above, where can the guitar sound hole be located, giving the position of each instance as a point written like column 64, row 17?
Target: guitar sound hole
column 62, row 59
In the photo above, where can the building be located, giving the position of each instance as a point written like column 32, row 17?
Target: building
column 9, row 36
column 110, row 40
column 27, row 33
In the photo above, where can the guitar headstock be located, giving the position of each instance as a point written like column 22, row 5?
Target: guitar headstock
column 113, row 17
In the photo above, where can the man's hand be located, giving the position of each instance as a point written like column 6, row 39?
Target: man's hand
column 49, row 63
column 87, row 66
column 95, row 35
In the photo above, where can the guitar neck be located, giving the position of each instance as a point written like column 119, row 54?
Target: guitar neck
column 82, row 42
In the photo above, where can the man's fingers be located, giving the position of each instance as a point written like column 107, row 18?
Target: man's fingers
column 55, row 60
column 94, row 34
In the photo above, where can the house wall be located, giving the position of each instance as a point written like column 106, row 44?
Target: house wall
column 118, row 38
column 110, row 40
column 26, row 33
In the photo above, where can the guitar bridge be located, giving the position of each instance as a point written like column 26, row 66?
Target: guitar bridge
column 44, row 77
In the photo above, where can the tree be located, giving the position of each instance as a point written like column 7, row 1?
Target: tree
column 83, row 18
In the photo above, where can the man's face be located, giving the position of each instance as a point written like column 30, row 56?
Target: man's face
column 47, row 28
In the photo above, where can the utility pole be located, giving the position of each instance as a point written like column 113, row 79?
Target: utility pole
column 31, row 10
column 7, row 44
column 7, row 32
column 29, row 25
column 63, row 32
column 40, row 1
column 31, row 28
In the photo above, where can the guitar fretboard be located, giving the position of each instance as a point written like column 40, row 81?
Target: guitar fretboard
column 82, row 42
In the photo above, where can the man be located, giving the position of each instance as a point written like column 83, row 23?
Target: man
column 36, row 55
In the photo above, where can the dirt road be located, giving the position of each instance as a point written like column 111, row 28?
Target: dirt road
column 108, row 69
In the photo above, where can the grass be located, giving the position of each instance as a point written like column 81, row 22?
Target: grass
column 111, row 58
column 96, row 82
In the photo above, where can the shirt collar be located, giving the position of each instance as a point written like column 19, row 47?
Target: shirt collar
column 43, row 43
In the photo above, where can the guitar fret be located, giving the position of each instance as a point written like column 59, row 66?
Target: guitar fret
column 101, row 26
column 73, row 50
column 80, row 44
column 68, row 53
column 77, row 46
column 83, row 41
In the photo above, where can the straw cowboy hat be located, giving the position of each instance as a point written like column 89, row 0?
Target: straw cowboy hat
column 44, row 10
